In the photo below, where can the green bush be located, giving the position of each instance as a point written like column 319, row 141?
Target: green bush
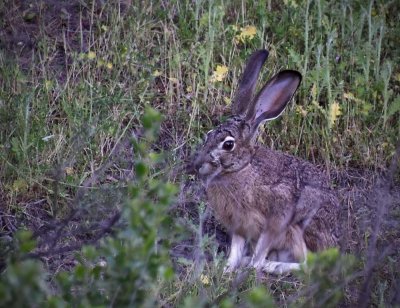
column 123, row 269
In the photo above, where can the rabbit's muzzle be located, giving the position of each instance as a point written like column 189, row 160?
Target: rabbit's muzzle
column 205, row 169
column 205, row 166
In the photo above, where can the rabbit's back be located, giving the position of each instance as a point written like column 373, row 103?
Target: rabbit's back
column 275, row 166
column 316, row 207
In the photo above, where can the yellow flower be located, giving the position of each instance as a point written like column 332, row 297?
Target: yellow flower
column 334, row 113
column 205, row 280
column 20, row 185
column 109, row 65
column 48, row 84
column 227, row 100
column 249, row 32
column 300, row 110
column 234, row 28
column 246, row 33
column 173, row 80
column 363, row 105
column 350, row 96
column 156, row 73
column 69, row 170
column 291, row 3
column 91, row 55
column 219, row 74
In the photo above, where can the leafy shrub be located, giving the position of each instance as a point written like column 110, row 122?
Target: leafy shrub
column 124, row 269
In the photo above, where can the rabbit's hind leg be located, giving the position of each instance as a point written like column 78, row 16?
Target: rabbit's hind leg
column 285, row 252
column 277, row 268
column 278, row 262
column 289, row 254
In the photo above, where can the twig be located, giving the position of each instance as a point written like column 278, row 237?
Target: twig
column 107, row 228
column 60, row 225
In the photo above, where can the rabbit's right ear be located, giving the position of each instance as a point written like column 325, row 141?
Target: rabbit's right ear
column 245, row 91
column 273, row 97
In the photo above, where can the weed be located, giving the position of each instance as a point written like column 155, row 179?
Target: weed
column 76, row 78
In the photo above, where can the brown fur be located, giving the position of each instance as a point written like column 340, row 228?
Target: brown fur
column 280, row 202
column 272, row 192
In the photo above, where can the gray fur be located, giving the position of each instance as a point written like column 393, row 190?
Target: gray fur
column 279, row 203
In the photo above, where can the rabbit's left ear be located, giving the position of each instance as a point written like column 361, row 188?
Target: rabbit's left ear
column 273, row 97
column 245, row 90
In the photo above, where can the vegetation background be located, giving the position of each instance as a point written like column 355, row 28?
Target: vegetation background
column 101, row 104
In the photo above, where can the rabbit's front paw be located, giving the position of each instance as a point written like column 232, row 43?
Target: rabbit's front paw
column 230, row 267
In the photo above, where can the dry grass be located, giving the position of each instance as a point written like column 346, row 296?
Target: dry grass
column 76, row 77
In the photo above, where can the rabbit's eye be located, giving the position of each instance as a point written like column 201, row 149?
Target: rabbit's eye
column 228, row 145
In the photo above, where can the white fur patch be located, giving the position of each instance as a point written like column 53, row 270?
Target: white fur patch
column 236, row 253
column 278, row 268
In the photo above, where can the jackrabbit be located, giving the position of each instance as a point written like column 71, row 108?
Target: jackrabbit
column 278, row 203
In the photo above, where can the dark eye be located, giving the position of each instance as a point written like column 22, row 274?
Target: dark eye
column 228, row 145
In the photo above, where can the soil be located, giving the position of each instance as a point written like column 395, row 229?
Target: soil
column 61, row 24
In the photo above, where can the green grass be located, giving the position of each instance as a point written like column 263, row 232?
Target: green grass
column 70, row 104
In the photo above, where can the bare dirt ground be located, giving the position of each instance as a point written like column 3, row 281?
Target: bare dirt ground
column 63, row 24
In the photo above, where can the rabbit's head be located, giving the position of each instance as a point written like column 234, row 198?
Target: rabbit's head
column 229, row 147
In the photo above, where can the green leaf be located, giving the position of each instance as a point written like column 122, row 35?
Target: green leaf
column 141, row 170
column 259, row 297
column 80, row 272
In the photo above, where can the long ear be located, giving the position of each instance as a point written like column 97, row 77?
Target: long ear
column 273, row 97
column 244, row 93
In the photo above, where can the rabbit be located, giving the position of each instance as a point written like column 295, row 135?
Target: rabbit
column 281, row 205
